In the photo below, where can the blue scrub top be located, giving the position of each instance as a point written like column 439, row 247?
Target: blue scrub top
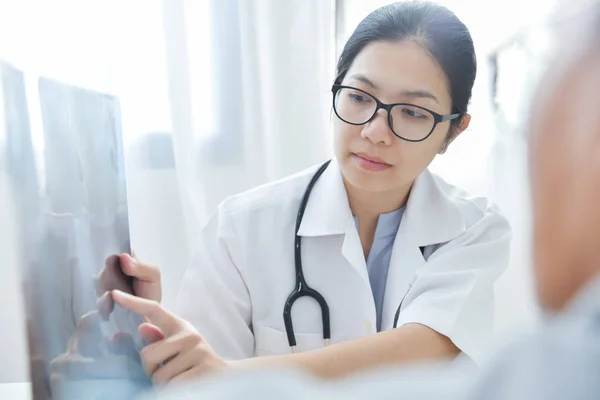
column 378, row 261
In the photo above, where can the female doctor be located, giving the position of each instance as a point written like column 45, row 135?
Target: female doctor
column 394, row 263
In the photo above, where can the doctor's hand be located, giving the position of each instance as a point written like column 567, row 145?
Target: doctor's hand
column 182, row 355
column 118, row 269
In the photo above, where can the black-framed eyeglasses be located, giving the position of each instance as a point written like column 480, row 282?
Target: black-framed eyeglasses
column 407, row 121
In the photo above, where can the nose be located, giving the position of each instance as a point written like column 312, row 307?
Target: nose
column 378, row 129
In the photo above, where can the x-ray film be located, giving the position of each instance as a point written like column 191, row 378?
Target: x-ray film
column 61, row 152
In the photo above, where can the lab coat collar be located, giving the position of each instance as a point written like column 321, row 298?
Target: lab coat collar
column 431, row 216
column 328, row 211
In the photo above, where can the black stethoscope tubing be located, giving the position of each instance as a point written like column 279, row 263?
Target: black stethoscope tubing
column 302, row 289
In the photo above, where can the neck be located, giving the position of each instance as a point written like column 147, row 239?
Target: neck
column 364, row 203
column 367, row 206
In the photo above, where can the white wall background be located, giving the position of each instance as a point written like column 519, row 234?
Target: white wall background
column 119, row 46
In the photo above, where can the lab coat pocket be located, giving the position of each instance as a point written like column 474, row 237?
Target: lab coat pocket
column 270, row 341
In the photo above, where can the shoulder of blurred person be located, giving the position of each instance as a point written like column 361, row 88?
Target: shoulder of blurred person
column 561, row 361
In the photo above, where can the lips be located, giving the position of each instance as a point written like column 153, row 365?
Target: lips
column 370, row 163
column 371, row 158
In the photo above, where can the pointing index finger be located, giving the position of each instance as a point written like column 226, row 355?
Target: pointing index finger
column 150, row 309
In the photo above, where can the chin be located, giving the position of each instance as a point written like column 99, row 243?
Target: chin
column 364, row 180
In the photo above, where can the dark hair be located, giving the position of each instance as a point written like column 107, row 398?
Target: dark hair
column 433, row 27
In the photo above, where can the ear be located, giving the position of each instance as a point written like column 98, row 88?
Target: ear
column 464, row 124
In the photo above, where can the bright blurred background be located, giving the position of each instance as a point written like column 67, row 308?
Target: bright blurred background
column 218, row 96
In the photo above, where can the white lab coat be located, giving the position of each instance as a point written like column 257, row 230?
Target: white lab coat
column 449, row 250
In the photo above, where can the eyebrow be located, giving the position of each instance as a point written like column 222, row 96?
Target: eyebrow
column 423, row 94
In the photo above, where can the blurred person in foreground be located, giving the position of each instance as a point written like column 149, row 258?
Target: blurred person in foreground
column 562, row 360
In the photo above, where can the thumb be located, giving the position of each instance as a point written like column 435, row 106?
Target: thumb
column 150, row 333
column 136, row 268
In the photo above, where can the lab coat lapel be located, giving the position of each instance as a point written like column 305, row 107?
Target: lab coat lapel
column 328, row 213
column 353, row 252
column 431, row 217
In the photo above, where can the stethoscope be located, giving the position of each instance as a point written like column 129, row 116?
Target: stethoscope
column 301, row 288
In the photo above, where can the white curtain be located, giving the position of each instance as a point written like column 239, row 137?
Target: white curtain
column 249, row 93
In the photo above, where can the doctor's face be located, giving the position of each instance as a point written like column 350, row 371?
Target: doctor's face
column 371, row 157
